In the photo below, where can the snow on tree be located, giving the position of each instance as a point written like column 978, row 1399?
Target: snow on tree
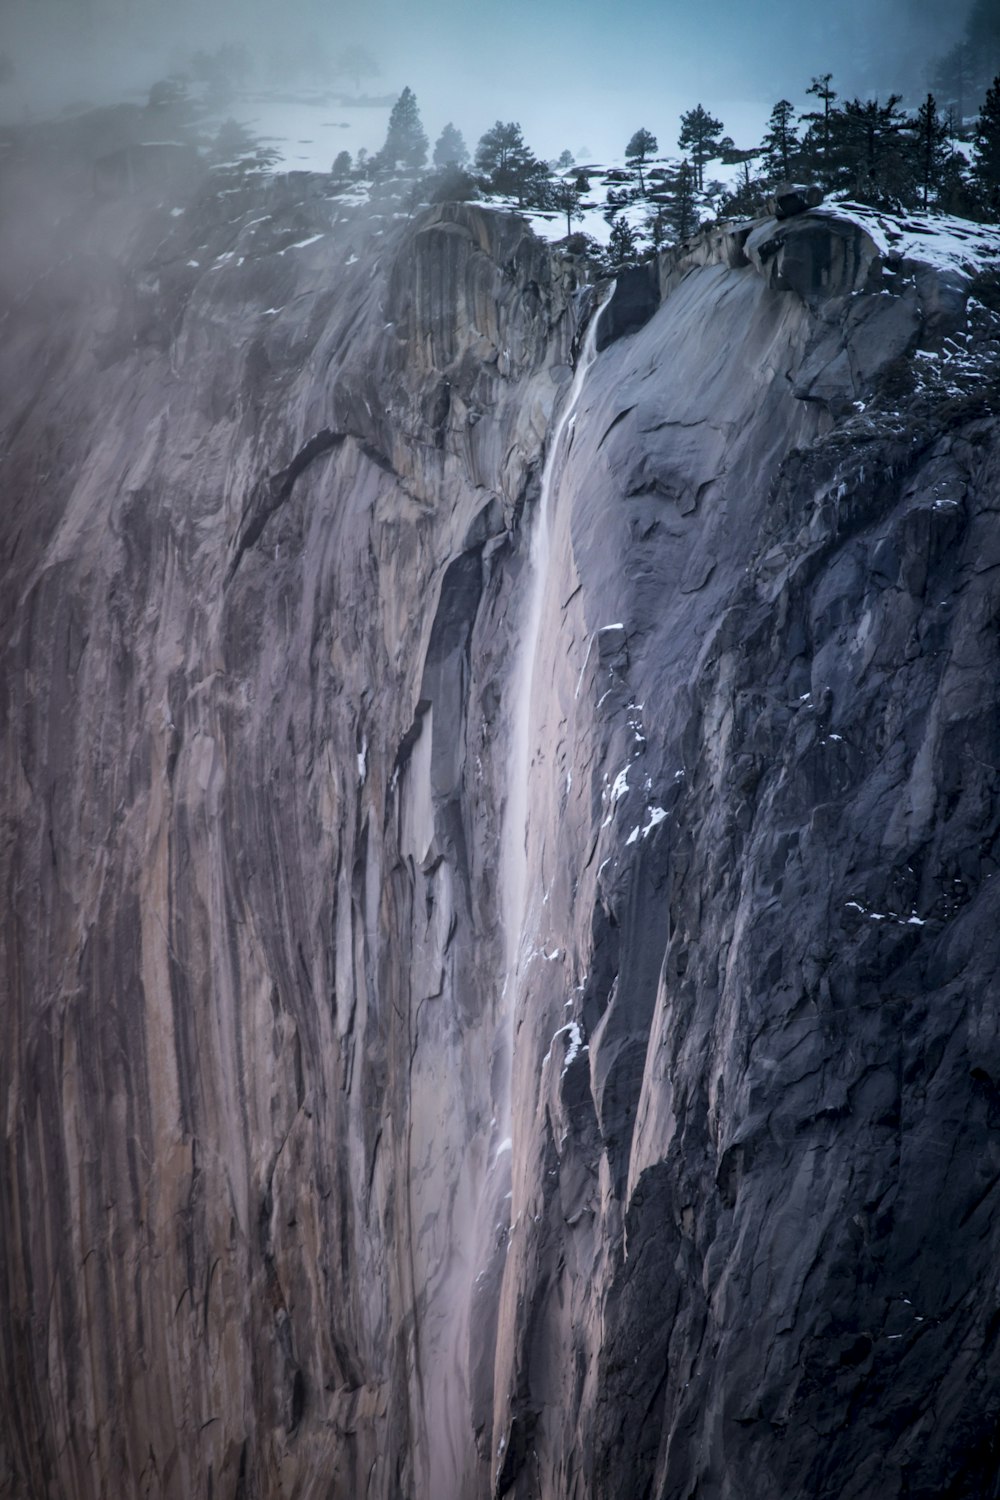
column 642, row 145
column 450, row 149
column 623, row 247
column 700, row 135
column 405, row 141
column 615, row 201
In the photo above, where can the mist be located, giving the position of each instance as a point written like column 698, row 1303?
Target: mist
column 576, row 75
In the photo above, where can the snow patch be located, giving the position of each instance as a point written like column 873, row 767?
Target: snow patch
column 574, row 1047
column 934, row 239
column 301, row 244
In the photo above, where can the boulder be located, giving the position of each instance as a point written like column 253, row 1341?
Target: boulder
column 791, row 198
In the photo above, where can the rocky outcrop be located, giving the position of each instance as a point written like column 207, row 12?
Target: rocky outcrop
column 325, row 1174
column 791, row 198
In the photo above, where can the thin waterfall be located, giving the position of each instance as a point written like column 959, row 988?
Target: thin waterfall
column 514, row 845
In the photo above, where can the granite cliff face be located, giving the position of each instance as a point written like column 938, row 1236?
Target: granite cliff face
column 498, row 849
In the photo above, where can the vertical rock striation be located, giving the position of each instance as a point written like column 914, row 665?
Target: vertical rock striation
column 318, row 1183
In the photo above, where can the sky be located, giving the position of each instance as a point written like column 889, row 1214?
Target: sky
column 575, row 73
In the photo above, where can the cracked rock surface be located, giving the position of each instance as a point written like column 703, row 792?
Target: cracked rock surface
column 307, row 1190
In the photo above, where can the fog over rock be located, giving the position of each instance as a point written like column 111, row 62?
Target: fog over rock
column 499, row 836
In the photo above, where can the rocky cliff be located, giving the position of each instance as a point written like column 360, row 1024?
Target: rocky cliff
column 500, row 816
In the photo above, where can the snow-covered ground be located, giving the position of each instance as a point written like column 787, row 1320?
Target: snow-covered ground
column 309, row 129
column 936, row 239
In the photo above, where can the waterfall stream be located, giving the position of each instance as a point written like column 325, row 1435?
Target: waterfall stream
column 518, row 927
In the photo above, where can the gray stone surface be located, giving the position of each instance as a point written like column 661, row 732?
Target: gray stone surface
column 304, row 1192
column 791, row 198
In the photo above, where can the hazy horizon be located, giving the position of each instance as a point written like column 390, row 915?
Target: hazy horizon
column 574, row 75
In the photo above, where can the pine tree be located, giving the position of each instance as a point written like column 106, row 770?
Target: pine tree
column 701, row 134
column 506, row 163
column 450, row 148
column 342, row 166
column 656, row 228
column 869, row 154
column 642, row 144
column 405, row 142
column 931, row 149
column 781, row 142
column 986, row 169
column 565, row 196
column 622, row 247
column 816, row 145
column 679, row 207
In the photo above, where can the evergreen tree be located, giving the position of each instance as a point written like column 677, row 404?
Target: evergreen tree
column 507, row 164
column 450, row 148
column 700, row 134
column 817, row 145
column 642, row 144
column 656, row 228
column 566, row 160
column 780, row 144
column 869, row 152
column 955, row 192
column 986, row 169
column 342, row 166
column 405, row 142
column 565, row 196
column 679, row 207
column 623, row 249
column 534, row 186
column 931, row 149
